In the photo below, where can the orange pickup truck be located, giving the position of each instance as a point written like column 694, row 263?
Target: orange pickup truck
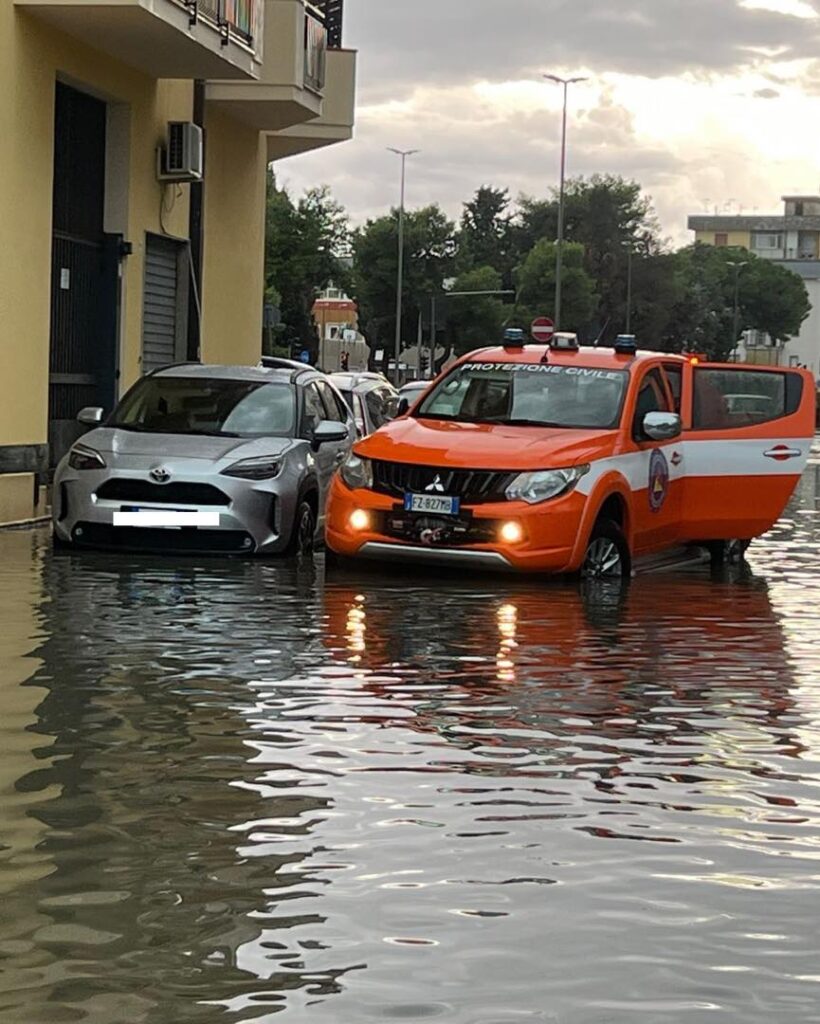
column 564, row 459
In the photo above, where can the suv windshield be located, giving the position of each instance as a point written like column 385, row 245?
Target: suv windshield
column 529, row 394
column 201, row 405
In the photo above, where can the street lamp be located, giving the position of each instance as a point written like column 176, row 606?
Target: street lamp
column 404, row 154
column 559, row 249
column 737, row 266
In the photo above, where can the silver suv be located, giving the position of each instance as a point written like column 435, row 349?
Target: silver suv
column 371, row 396
column 206, row 458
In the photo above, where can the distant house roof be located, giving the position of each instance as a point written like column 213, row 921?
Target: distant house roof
column 771, row 222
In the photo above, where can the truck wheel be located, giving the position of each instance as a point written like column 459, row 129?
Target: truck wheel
column 728, row 552
column 303, row 538
column 607, row 555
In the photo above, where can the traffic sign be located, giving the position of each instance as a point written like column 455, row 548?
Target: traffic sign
column 304, row 356
column 542, row 330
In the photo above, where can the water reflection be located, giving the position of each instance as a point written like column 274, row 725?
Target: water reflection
column 234, row 791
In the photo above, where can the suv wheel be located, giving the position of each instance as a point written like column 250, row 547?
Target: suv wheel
column 303, row 537
column 607, row 555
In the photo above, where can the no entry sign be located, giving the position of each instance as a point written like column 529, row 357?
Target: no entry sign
column 542, row 330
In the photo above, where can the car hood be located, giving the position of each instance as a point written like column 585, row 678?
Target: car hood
column 126, row 443
column 485, row 445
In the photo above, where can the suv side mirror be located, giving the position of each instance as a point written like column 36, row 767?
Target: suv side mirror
column 90, row 416
column 402, row 407
column 662, row 426
column 329, row 431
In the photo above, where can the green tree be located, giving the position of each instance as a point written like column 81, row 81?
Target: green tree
column 476, row 320
column 771, row 298
column 429, row 258
column 536, row 285
column 306, row 245
column 486, row 233
column 608, row 216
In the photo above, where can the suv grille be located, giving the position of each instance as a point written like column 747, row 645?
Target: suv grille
column 473, row 486
column 120, row 489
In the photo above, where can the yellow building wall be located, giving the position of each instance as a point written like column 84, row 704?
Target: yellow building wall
column 234, row 219
column 33, row 56
column 742, row 239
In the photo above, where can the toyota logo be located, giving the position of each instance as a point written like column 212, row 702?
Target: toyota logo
column 160, row 475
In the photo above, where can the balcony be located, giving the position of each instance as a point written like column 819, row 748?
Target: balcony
column 165, row 38
column 338, row 112
column 292, row 79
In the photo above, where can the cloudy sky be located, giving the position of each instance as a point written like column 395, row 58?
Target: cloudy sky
column 707, row 103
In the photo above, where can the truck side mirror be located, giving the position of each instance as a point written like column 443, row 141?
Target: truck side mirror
column 662, row 426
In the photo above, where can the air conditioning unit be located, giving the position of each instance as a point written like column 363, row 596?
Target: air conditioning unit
column 181, row 159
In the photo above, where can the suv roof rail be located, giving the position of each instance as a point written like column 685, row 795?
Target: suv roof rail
column 172, row 366
column 280, row 363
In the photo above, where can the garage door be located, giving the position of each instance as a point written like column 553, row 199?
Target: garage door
column 165, row 303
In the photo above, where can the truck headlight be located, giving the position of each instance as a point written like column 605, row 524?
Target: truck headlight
column 356, row 472
column 83, row 457
column 545, row 484
column 263, row 467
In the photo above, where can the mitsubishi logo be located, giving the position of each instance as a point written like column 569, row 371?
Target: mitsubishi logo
column 160, row 475
column 436, row 486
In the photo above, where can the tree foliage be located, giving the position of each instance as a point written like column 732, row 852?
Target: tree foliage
column 429, row 258
column 681, row 300
column 305, row 248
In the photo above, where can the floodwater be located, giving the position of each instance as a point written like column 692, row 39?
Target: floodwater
column 239, row 792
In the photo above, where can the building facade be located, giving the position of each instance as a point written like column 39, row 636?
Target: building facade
column 791, row 238
column 127, row 244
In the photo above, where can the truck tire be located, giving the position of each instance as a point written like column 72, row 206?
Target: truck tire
column 607, row 556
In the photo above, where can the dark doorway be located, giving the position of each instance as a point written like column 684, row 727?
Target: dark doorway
column 84, row 270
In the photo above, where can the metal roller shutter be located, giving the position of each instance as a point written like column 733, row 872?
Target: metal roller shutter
column 163, row 313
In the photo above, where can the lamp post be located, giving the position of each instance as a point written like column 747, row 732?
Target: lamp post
column 404, row 154
column 559, row 249
column 737, row 266
column 629, row 287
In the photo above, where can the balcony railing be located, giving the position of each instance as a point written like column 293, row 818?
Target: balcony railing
column 332, row 11
column 315, row 49
column 238, row 18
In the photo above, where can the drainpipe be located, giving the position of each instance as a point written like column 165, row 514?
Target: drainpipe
column 195, row 235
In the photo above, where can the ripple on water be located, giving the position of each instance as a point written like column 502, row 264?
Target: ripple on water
column 233, row 791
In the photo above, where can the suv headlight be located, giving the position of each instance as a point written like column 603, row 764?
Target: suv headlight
column 356, row 472
column 545, row 484
column 264, row 467
column 83, row 457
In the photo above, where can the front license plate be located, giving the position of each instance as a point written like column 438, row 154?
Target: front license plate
column 432, row 503
column 165, row 518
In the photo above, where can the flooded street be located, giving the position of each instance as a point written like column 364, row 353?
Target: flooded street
column 239, row 792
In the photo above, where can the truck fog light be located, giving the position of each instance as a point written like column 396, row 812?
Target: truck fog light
column 511, row 532
column 359, row 520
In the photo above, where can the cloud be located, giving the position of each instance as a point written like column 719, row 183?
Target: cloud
column 696, row 99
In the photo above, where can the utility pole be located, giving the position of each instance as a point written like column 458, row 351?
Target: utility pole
column 404, row 154
column 559, row 248
column 629, row 288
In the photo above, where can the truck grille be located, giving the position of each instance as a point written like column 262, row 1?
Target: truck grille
column 181, row 493
column 473, row 486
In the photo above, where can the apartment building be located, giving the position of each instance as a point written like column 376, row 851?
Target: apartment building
column 792, row 238
column 134, row 141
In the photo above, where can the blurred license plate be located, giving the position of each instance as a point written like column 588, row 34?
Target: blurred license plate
column 433, row 503
column 164, row 518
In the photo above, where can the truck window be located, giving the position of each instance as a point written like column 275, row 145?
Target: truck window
column 674, row 374
column 729, row 398
column 652, row 397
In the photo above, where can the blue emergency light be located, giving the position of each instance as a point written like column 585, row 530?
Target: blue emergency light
column 626, row 345
column 514, row 337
